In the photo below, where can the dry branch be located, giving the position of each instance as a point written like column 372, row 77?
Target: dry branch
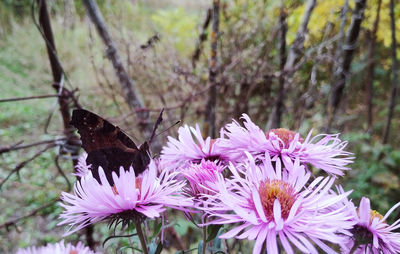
column 369, row 80
column 202, row 38
column 395, row 73
column 298, row 44
column 211, row 105
column 342, row 74
column 32, row 213
column 30, row 98
column 296, row 49
column 23, row 163
column 341, row 36
column 18, row 146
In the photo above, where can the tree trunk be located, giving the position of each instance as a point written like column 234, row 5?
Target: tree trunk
column 211, row 105
column 369, row 84
column 296, row 49
column 395, row 77
column 341, row 75
column 45, row 26
column 282, row 60
column 132, row 97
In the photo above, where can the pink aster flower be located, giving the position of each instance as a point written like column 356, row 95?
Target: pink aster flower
column 323, row 151
column 268, row 205
column 371, row 233
column 130, row 198
column 81, row 167
column 57, row 248
column 202, row 177
column 190, row 147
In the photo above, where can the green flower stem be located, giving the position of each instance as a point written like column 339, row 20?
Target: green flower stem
column 204, row 239
column 142, row 237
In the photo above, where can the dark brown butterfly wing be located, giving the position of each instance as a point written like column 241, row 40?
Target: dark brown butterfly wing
column 111, row 159
column 108, row 146
column 97, row 133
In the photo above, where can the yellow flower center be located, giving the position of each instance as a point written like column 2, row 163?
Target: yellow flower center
column 375, row 214
column 277, row 189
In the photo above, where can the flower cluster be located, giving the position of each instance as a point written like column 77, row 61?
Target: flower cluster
column 58, row 248
column 259, row 184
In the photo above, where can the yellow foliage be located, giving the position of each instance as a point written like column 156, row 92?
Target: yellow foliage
column 329, row 11
column 325, row 11
column 384, row 33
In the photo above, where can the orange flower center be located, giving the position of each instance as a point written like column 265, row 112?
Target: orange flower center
column 277, row 189
column 284, row 134
column 73, row 252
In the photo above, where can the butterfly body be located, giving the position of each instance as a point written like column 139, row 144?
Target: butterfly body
column 108, row 146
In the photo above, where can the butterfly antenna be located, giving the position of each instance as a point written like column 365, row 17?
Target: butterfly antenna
column 163, row 131
column 159, row 120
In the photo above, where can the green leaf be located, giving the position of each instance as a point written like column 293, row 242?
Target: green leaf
column 155, row 248
column 212, row 231
column 157, row 230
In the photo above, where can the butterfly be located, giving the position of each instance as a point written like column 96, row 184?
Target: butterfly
column 108, row 146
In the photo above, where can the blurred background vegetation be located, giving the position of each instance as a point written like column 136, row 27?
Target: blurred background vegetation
column 247, row 81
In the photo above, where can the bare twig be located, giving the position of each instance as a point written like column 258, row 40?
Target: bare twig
column 8, row 148
column 18, row 146
column 341, row 34
column 298, row 44
column 183, row 103
column 30, row 98
column 308, row 98
column 62, row 173
column 14, row 221
column 150, row 42
column 202, row 38
column 23, row 163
